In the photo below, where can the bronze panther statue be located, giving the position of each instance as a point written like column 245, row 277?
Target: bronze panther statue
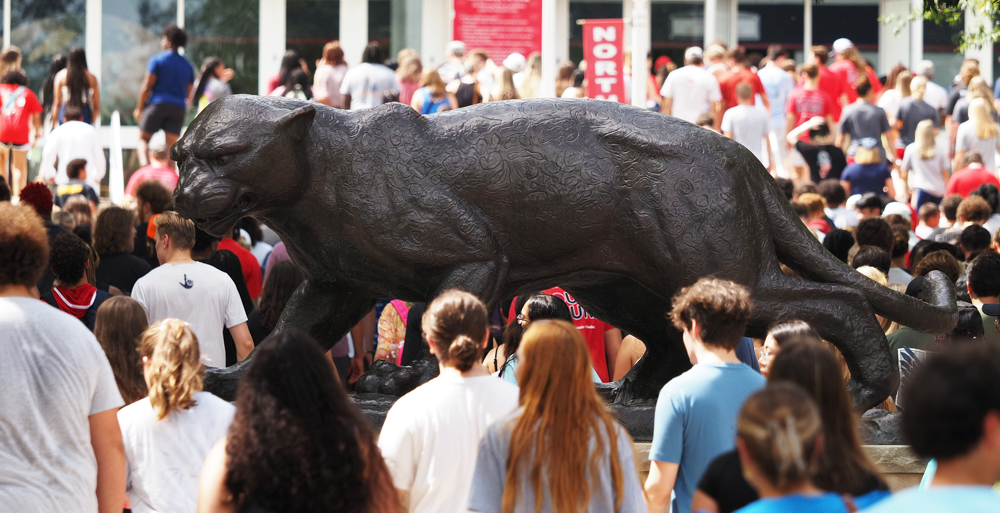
column 619, row 206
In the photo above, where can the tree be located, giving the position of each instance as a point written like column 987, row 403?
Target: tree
column 951, row 12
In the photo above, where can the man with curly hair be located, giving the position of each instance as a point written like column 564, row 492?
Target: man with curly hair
column 62, row 447
column 38, row 196
column 69, row 260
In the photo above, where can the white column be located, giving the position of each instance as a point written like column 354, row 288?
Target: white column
column 271, row 47
column 436, row 27
column 916, row 34
column 985, row 53
column 92, row 43
column 180, row 13
column 6, row 23
column 640, row 47
column 626, row 12
column 549, row 49
column 734, row 23
column 353, row 29
column 807, row 29
column 562, row 32
column 893, row 49
column 711, row 6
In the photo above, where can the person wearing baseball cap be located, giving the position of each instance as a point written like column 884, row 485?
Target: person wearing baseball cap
column 691, row 91
column 849, row 66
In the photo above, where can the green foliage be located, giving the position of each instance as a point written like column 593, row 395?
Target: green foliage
column 952, row 13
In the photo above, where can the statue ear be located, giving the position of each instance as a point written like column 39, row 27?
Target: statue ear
column 296, row 123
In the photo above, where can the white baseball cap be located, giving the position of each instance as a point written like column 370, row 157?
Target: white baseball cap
column 693, row 52
column 841, row 44
column 514, row 62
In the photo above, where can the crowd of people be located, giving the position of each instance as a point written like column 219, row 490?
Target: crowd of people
column 111, row 315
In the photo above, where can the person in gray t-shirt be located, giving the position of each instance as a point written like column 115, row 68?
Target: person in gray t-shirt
column 911, row 112
column 861, row 120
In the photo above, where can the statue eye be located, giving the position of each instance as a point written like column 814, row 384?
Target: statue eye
column 222, row 160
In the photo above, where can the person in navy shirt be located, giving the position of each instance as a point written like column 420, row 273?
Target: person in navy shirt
column 164, row 94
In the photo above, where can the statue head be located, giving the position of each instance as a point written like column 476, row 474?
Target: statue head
column 242, row 155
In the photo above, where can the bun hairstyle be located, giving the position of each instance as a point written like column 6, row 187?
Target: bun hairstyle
column 779, row 427
column 455, row 322
column 175, row 371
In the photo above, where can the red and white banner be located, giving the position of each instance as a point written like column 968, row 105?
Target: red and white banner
column 501, row 27
column 604, row 51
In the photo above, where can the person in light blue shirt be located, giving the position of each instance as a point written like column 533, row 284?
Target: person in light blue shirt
column 952, row 414
column 779, row 85
column 695, row 418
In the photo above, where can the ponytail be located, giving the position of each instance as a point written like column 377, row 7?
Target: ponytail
column 207, row 73
column 175, row 372
column 455, row 323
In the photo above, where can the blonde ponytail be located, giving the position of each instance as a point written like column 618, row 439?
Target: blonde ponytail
column 982, row 119
column 174, row 373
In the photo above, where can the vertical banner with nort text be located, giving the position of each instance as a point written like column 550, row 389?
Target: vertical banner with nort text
column 604, row 51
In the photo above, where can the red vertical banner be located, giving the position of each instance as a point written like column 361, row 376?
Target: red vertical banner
column 604, row 51
column 501, row 27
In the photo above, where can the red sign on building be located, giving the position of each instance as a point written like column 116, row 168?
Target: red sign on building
column 604, row 51
column 501, row 27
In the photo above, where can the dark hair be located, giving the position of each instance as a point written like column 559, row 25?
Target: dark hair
column 297, row 443
column 283, row 280
column 948, row 397
column 789, row 332
column 989, row 193
column 202, row 240
column 24, row 246
column 805, row 188
column 252, row 227
column 844, row 467
column 15, row 77
column 949, row 206
column 821, row 53
column 984, row 275
column 832, row 192
column 176, row 35
column 513, row 331
column 113, row 231
column 775, row 51
column 874, row 257
column 925, row 247
column 787, row 186
column 289, row 62
column 456, row 323
column 207, row 73
column 298, row 77
column 738, row 54
column 927, row 211
column 373, row 53
column 940, row 260
column 800, row 209
column 74, row 167
column 864, row 86
column 5, row 194
column 900, row 241
column 722, row 309
column 820, row 131
column 975, row 239
column 68, row 259
column 58, row 64
column 578, row 78
column 119, row 324
column 546, row 306
column 76, row 76
column 704, row 120
column 874, row 231
column 869, row 200
column 973, row 157
column 839, row 242
column 154, row 194
column 72, row 113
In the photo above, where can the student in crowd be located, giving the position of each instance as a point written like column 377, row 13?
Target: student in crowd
column 20, row 125
column 991, row 194
column 504, row 88
column 76, row 171
column 168, row 434
column 47, row 91
column 114, row 240
column 258, row 248
column 151, row 200
column 454, row 65
column 862, row 122
column 284, row 279
column 160, row 168
column 289, row 63
column 120, row 323
column 194, row 292
column 748, row 125
column 970, row 177
column 213, row 84
column 696, row 411
column 251, row 267
column 779, row 86
column 71, row 292
column 73, row 140
column 959, row 89
column 984, row 288
column 408, row 74
column 805, row 104
column 78, row 87
column 913, row 111
column 924, row 168
column 561, row 448
column 874, row 231
column 972, row 210
column 431, row 435
column 367, row 84
column 930, row 218
column 330, row 71
column 39, row 198
column 868, row 206
column 62, row 444
column 780, row 335
column 978, row 88
column 295, row 424
column 691, row 91
column 740, row 74
column 835, row 196
column 432, row 98
column 851, row 68
column 979, row 134
column 900, row 247
column 839, row 243
column 467, row 89
column 953, row 416
column 936, row 96
column 974, row 240
column 296, row 86
column 511, row 339
column 868, row 173
column 164, row 92
column 897, row 89
column 817, row 220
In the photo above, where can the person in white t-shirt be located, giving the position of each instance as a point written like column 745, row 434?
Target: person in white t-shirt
column 168, row 434
column 691, row 91
column 748, row 125
column 73, row 140
column 367, row 84
column 431, row 436
column 196, row 293
column 60, row 446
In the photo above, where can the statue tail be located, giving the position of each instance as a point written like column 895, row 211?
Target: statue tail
column 798, row 249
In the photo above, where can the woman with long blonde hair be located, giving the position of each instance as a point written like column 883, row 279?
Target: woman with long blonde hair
column 925, row 169
column 978, row 88
column 168, row 434
column 561, row 451
column 432, row 97
column 504, row 89
column 529, row 80
column 409, row 73
column 979, row 134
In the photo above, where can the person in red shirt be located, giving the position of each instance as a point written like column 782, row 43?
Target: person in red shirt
column 738, row 74
column 970, row 177
column 160, row 168
column 20, row 112
column 809, row 101
column 251, row 268
column 848, row 65
column 829, row 81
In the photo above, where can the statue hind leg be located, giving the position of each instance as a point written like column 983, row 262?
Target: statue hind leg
column 325, row 310
column 843, row 317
